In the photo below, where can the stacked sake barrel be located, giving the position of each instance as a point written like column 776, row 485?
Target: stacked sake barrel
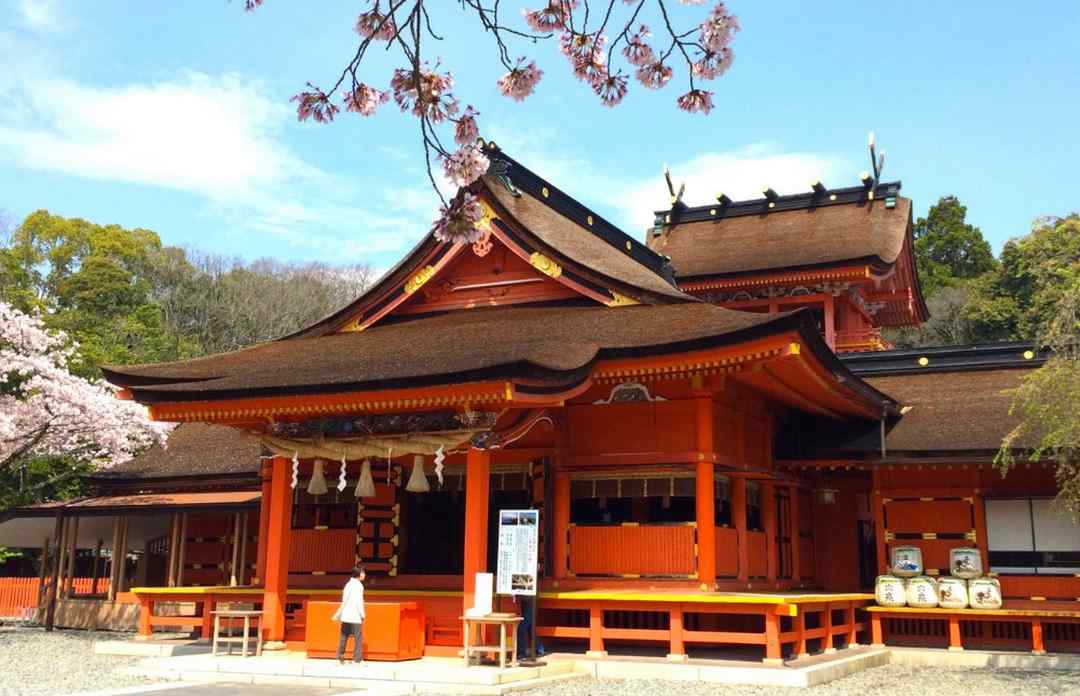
column 965, row 586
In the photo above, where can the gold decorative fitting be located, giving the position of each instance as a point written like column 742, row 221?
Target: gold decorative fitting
column 417, row 281
column 618, row 300
column 667, row 218
column 589, row 220
column 628, row 246
column 832, row 197
column 771, row 204
column 924, row 361
column 545, row 265
column 1029, row 354
column 545, row 191
column 794, row 349
column 712, row 211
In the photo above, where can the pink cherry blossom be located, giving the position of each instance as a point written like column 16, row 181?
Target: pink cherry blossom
column 466, row 132
column 374, row 24
column 315, row 104
column 696, row 100
column 364, row 100
column 713, row 64
column 45, row 410
column 550, row 18
column 611, row 89
column 424, row 93
column 636, row 51
column 654, row 75
column 465, row 165
column 460, row 222
column 520, row 82
column 719, row 28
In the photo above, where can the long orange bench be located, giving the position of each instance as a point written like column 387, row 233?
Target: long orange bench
column 1031, row 617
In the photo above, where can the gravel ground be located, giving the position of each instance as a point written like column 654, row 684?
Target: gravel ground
column 35, row 662
column 894, row 680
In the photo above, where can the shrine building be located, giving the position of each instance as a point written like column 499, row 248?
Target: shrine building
column 723, row 446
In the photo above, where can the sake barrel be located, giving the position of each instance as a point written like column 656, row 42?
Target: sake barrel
column 889, row 591
column 907, row 561
column 984, row 593
column 922, row 592
column 965, row 563
column 952, row 593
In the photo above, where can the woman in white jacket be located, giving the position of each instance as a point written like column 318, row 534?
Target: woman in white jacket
column 351, row 615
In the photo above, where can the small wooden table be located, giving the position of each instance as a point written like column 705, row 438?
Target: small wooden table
column 235, row 614
column 504, row 622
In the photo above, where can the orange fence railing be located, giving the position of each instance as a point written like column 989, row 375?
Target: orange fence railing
column 20, row 595
column 633, row 550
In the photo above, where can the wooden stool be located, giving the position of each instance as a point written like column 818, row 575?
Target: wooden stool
column 249, row 617
column 507, row 644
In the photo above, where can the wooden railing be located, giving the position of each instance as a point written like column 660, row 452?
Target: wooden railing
column 861, row 340
column 19, row 596
column 632, row 550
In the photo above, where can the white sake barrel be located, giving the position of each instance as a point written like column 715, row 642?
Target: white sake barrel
column 984, row 593
column 922, row 592
column 952, row 593
column 907, row 561
column 889, row 591
column 965, row 563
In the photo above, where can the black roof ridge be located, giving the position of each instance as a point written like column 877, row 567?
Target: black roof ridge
column 572, row 209
column 959, row 358
column 682, row 213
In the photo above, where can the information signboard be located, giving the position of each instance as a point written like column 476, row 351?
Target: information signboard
column 519, row 539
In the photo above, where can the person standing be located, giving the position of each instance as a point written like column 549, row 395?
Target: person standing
column 351, row 615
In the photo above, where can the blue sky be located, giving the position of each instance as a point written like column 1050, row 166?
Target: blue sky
column 175, row 117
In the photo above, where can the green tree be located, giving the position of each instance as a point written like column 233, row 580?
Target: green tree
column 1048, row 400
column 947, row 248
column 96, row 283
column 1019, row 299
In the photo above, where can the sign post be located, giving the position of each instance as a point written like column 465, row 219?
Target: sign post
column 517, row 566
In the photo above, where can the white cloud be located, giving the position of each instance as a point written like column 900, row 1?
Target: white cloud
column 41, row 15
column 214, row 136
column 630, row 202
column 739, row 174
column 219, row 138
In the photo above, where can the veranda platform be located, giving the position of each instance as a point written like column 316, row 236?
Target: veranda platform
column 1038, row 626
column 782, row 624
column 792, row 622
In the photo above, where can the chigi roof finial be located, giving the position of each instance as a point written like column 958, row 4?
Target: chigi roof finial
column 676, row 198
column 877, row 163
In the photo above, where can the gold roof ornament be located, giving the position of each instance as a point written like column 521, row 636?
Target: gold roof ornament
column 417, row 281
column 545, row 265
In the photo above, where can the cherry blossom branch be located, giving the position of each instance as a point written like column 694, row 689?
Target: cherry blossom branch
column 425, row 91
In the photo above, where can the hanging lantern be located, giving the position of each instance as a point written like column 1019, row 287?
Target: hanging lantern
column 317, row 484
column 365, row 487
column 418, row 482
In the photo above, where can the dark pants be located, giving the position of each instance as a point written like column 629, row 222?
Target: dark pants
column 357, row 632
